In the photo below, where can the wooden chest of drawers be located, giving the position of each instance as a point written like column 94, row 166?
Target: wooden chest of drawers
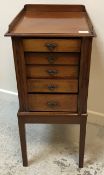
column 52, row 51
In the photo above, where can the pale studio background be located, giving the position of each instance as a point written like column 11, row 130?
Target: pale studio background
column 95, row 8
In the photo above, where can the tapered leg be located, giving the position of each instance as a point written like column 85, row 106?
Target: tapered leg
column 82, row 140
column 22, row 134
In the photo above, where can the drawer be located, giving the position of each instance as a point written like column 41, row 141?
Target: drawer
column 52, row 102
column 51, row 71
column 52, row 58
column 52, row 45
column 52, row 85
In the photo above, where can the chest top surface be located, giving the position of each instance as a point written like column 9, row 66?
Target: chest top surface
column 51, row 20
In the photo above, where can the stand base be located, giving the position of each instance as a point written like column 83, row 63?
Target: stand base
column 51, row 118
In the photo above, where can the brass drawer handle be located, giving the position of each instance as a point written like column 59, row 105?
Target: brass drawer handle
column 52, row 104
column 52, row 87
column 51, row 59
column 51, row 46
column 52, row 72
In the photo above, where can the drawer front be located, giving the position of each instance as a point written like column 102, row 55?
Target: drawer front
column 52, row 71
column 52, row 102
column 52, row 86
column 52, row 45
column 52, row 58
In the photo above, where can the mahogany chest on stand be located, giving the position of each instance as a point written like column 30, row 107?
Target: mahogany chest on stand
column 52, row 52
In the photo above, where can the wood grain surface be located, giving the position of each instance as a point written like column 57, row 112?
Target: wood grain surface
column 52, row 85
column 58, row 71
column 52, row 102
column 62, row 45
column 52, row 58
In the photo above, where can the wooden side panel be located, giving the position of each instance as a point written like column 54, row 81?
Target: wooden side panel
column 84, row 74
column 20, row 73
column 54, row 7
column 49, row 117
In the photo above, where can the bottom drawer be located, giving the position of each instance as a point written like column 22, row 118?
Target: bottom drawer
column 52, row 102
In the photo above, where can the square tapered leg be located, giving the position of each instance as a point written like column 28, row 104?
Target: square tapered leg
column 22, row 134
column 82, row 140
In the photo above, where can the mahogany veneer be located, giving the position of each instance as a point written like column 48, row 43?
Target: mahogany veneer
column 52, row 53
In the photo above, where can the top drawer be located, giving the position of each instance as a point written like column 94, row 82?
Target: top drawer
column 52, row 45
